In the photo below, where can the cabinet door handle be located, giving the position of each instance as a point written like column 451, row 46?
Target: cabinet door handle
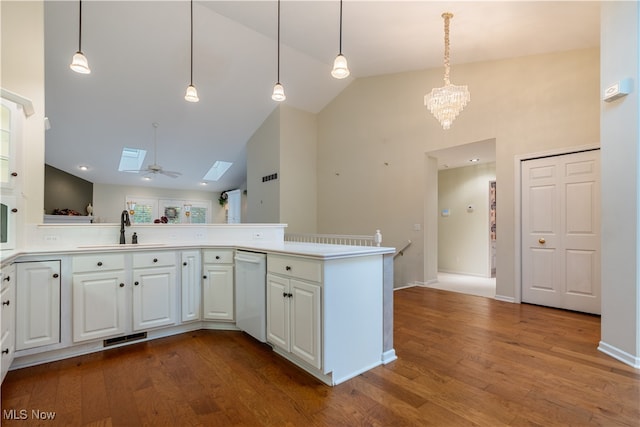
column 14, row 210
column 7, row 302
column 290, row 295
column 5, row 351
column 155, row 260
column 122, row 285
column 8, row 278
column 204, row 277
column 56, row 275
column 14, row 174
column 217, row 256
column 288, row 268
column 284, row 294
column 99, row 263
column 184, row 263
column 136, row 283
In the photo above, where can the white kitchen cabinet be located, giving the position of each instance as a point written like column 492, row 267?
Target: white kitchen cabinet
column 154, row 289
column 99, row 296
column 191, row 290
column 218, row 285
column 7, row 319
column 37, row 304
column 293, row 307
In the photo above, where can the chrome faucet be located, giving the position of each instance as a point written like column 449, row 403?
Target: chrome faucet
column 124, row 220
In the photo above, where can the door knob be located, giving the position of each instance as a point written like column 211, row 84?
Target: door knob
column 541, row 241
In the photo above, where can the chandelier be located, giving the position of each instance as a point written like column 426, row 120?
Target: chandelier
column 446, row 102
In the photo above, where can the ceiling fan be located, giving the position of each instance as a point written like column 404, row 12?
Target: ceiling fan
column 155, row 168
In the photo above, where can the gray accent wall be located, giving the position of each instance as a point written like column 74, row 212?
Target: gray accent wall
column 65, row 191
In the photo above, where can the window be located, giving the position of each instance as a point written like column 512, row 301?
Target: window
column 148, row 210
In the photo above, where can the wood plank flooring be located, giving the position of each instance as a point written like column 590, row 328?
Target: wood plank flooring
column 463, row 360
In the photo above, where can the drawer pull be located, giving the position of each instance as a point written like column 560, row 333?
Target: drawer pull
column 7, row 302
column 122, row 285
column 217, row 256
column 5, row 351
column 56, row 275
column 8, row 278
column 288, row 268
column 155, row 260
column 136, row 283
column 204, row 277
column 99, row 263
column 184, row 263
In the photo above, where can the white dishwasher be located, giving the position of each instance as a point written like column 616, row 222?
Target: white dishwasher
column 251, row 293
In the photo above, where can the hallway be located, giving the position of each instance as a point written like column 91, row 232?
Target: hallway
column 472, row 285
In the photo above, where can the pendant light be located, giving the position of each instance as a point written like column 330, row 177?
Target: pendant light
column 192, row 93
column 79, row 63
column 278, row 89
column 340, row 67
column 446, row 102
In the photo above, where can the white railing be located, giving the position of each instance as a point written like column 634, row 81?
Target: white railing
column 335, row 239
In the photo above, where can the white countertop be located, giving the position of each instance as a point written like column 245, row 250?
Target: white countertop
column 317, row 250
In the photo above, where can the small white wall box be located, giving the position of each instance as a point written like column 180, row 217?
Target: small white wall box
column 445, row 212
column 617, row 90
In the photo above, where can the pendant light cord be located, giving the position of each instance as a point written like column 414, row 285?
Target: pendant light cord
column 191, row 81
column 80, row 28
column 340, row 27
column 278, row 41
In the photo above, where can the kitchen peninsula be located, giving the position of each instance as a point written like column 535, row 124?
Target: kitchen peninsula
column 329, row 307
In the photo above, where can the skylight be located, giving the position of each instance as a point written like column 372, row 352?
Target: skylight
column 217, row 170
column 131, row 159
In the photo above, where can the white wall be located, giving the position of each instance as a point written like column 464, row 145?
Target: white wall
column 463, row 236
column 23, row 73
column 373, row 137
column 298, row 174
column 620, row 169
column 263, row 158
column 285, row 144
column 109, row 200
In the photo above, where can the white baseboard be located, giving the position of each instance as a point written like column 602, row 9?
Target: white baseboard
column 621, row 355
column 389, row 356
column 505, row 298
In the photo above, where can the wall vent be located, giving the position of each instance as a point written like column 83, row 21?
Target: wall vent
column 125, row 339
column 270, row 177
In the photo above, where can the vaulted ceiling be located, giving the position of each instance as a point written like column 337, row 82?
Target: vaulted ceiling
column 138, row 52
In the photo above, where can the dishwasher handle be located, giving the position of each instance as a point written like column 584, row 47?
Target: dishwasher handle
column 250, row 258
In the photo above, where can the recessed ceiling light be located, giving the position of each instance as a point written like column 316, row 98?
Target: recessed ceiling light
column 474, row 160
column 146, row 178
column 203, row 183
column 83, row 168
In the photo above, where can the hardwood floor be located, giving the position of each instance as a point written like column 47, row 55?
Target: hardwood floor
column 463, row 360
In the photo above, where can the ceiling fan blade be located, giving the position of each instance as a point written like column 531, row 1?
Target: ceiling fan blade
column 171, row 174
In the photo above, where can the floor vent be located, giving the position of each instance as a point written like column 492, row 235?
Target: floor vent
column 122, row 340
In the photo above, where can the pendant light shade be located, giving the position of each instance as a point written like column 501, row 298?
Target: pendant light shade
column 278, row 93
column 192, row 93
column 278, row 89
column 340, row 67
column 79, row 63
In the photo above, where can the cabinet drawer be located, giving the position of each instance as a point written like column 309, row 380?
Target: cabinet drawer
column 99, row 262
column 154, row 259
column 218, row 256
column 295, row 267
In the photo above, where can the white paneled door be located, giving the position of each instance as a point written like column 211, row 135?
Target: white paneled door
column 561, row 231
